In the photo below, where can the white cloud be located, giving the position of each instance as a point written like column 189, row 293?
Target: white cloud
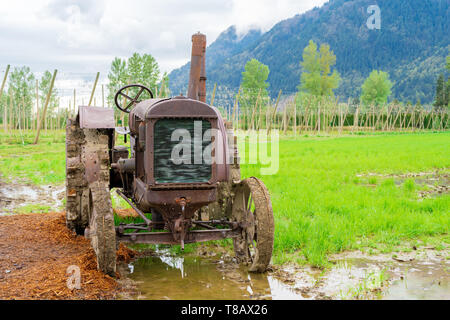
column 83, row 36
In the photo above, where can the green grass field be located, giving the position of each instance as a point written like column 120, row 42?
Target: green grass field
column 43, row 163
column 323, row 200
column 321, row 206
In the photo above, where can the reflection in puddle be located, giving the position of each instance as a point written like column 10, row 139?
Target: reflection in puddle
column 167, row 277
column 428, row 282
column 175, row 278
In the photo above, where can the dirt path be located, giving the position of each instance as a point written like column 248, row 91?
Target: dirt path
column 35, row 252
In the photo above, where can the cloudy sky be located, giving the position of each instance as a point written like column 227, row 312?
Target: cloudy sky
column 80, row 37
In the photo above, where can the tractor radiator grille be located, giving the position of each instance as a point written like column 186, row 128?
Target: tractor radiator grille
column 179, row 145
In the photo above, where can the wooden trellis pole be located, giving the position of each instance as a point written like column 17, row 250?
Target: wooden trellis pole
column 295, row 117
column 11, row 119
column 254, row 110
column 93, row 89
column 258, row 126
column 47, row 101
column 236, row 100
column 272, row 118
column 396, row 118
column 37, row 104
column 386, row 124
column 1, row 93
column 75, row 101
column 213, row 94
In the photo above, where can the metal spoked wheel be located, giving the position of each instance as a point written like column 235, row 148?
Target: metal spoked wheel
column 101, row 229
column 252, row 209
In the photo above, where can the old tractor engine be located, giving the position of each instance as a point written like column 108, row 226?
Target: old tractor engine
column 180, row 173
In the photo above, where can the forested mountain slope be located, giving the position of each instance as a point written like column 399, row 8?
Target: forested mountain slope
column 411, row 45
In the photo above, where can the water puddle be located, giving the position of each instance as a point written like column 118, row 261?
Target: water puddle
column 17, row 198
column 426, row 281
column 418, row 275
column 431, row 184
column 164, row 277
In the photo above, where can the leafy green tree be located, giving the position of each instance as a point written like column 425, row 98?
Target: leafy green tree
column 442, row 93
column 448, row 81
column 117, row 77
column 164, row 90
column 376, row 88
column 317, row 78
column 3, row 103
column 253, row 84
column 21, row 86
column 138, row 69
column 44, row 87
column 143, row 70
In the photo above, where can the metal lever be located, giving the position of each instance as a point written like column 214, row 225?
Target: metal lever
column 139, row 212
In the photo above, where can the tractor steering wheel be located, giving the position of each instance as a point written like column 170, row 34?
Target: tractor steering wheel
column 133, row 101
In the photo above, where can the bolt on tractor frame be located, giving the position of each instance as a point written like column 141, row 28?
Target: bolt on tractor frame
column 196, row 197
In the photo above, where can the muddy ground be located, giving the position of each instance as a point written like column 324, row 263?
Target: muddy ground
column 37, row 249
column 432, row 183
column 24, row 195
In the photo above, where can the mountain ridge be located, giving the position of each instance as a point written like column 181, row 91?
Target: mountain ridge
column 411, row 45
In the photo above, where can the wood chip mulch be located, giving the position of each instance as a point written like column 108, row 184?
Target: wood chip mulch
column 35, row 252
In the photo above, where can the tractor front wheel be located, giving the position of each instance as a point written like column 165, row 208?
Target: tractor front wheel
column 252, row 209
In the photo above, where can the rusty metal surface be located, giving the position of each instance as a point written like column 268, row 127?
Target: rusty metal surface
column 177, row 202
column 130, row 102
column 139, row 212
column 252, row 210
column 171, row 108
column 96, row 118
column 197, row 64
column 92, row 166
column 202, row 83
column 177, row 199
column 167, row 237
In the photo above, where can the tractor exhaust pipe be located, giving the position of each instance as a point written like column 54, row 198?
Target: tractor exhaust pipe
column 197, row 75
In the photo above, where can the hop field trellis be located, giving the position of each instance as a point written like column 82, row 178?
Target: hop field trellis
column 288, row 113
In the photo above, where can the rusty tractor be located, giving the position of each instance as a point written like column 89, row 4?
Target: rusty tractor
column 181, row 196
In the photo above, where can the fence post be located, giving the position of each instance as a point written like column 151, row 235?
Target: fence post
column 234, row 107
column 213, row 95
column 272, row 118
column 47, row 100
column 93, row 89
column 1, row 93
column 74, row 101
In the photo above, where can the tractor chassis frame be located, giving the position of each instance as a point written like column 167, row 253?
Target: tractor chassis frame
column 208, row 234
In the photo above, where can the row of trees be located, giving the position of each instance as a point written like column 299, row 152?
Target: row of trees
column 26, row 94
column 314, row 106
column 318, row 79
column 442, row 98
